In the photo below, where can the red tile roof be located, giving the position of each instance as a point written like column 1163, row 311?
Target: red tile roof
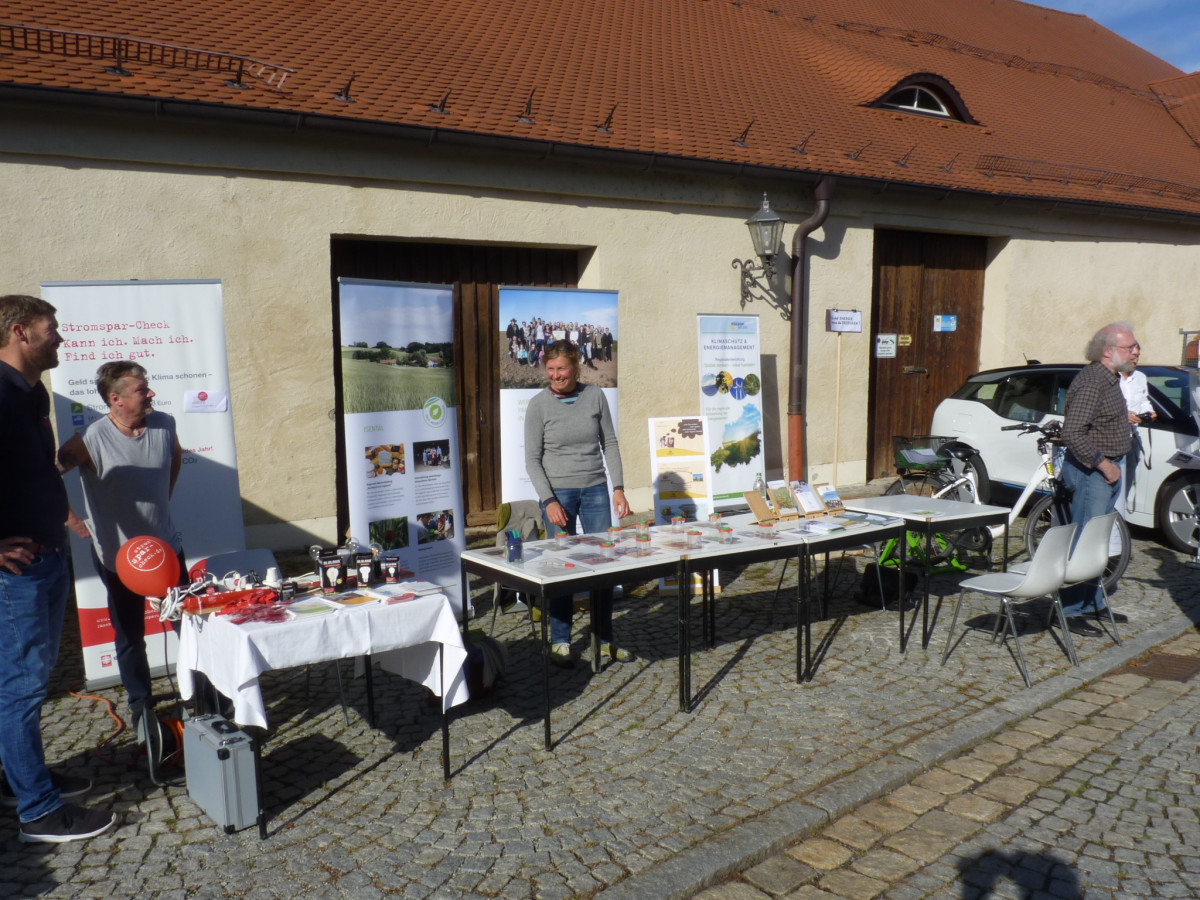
column 1065, row 109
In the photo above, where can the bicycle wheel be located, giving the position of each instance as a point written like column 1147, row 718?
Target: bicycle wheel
column 919, row 484
column 1043, row 515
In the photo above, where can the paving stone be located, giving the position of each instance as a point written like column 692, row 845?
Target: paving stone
column 942, row 781
column 821, row 853
column 915, row 799
column 1007, row 789
column 780, row 874
column 855, row 885
column 885, row 816
column 854, row 832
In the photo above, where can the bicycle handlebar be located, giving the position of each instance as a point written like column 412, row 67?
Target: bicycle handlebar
column 1052, row 428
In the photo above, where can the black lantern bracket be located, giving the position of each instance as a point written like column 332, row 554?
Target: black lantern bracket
column 757, row 278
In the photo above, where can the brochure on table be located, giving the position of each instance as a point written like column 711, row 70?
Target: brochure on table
column 731, row 401
column 402, row 449
column 176, row 330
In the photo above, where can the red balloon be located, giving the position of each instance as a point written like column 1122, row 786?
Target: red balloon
column 148, row 566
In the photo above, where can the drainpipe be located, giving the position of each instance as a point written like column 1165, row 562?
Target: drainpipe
column 823, row 193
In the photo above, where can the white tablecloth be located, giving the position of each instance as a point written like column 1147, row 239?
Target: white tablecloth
column 404, row 637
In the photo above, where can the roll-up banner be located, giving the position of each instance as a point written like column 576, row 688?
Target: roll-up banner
column 398, row 399
column 531, row 318
column 176, row 331
column 731, row 400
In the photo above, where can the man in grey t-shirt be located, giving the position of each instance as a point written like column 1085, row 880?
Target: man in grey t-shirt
column 129, row 461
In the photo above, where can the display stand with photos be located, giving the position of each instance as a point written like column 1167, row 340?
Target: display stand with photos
column 808, row 500
column 764, row 513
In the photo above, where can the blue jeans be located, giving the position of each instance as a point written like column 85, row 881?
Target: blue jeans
column 592, row 507
column 32, row 606
column 1091, row 496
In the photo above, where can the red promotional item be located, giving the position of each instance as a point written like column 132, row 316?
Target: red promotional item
column 147, row 566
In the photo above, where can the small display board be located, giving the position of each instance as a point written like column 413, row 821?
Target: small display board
column 843, row 320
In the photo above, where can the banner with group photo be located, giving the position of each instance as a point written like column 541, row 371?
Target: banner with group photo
column 531, row 318
column 731, row 400
column 402, row 465
column 176, row 331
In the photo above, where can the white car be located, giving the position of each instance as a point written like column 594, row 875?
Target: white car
column 1165, row 496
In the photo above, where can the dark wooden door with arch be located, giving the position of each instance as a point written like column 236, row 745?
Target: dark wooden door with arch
column 920, row 279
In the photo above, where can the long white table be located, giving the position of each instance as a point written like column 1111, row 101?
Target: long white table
column 548, row 571
column 927, row 516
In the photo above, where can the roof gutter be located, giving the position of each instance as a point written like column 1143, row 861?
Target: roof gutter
column 823, row 193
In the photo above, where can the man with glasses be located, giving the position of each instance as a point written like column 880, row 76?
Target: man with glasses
column 1096, row 435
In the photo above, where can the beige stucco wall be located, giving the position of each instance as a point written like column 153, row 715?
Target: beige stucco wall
column 256, row 208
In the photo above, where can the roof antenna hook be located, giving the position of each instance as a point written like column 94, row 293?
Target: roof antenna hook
column 344, row 93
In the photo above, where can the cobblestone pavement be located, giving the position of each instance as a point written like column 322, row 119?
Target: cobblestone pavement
column 1092, row 796
column 638, row 799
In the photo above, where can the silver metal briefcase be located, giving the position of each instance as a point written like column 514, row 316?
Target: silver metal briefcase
column 221, row 776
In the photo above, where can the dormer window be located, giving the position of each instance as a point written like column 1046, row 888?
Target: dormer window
column 917, row 99
column 926, row 95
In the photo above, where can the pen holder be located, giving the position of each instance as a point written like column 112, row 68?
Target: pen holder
column 513, row 543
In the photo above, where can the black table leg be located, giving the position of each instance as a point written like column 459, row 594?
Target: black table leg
column 445, row 717
column 370, row 681
column 684, row 610
column 546, row 666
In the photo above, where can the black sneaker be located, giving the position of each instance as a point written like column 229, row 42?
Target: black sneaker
column 67, row 823
column 1082, row 627
column 69, row 787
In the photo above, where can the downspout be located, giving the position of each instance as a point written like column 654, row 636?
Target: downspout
column 823, row 193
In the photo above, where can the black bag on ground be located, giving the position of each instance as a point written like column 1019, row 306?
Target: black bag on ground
column 891, row 583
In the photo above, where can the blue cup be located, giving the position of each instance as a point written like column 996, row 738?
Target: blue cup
column 513, row 542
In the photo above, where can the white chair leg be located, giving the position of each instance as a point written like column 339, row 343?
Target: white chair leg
column 953, row 622
column 1066, row 631
column 1108, row 609
column 1012, row 627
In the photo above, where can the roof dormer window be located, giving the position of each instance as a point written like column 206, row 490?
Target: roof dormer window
column 917, row 99
column 926, row 95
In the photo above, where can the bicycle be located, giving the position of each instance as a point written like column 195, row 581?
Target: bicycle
column 926, row 470
column 1051, row 508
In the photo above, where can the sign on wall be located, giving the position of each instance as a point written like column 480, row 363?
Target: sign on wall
column 402, row 465
column 176, row 331
column 731, row 400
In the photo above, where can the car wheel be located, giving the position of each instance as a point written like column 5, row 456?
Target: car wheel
column 1175, row 513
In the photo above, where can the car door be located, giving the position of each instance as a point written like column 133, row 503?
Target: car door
column 1026, row 396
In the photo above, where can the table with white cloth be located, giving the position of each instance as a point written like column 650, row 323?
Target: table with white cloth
column 418, row 639
column 927, row 516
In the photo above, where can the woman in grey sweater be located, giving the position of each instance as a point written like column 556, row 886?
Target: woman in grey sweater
column 569, row 436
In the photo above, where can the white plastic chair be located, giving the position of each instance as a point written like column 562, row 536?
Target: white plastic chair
column 1045, row 575
column 1087, row 562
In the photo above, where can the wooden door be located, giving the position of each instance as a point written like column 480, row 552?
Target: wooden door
column 476, row 309
column 918, row 277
